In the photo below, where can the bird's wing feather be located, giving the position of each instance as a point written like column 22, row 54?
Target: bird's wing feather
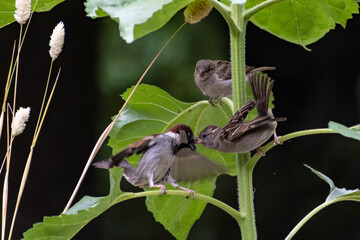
column 137, row 147
column 223, row 70
column 240, row 129
column 241, row 114
column 189, row 166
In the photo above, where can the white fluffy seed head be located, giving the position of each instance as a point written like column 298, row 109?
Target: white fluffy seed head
column 57, row 40
column 19, row 122
column 22, row 12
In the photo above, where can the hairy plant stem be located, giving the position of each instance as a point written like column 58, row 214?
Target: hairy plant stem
column 244, row 174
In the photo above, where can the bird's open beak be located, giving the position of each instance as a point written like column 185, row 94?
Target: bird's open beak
column 198, row 141
column 192, row 147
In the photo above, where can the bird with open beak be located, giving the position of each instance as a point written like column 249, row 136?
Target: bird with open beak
column 167, row 158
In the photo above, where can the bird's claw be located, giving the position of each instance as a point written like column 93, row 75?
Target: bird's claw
column 191, row 192
column 211, row 102
column 276, row 140
column 163, row 191
column 258, row 151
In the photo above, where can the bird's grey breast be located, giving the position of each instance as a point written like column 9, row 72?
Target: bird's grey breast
column 158, row 158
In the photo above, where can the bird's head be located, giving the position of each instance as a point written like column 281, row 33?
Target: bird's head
column 204, row 69
column 183, row 135
column 207, row 135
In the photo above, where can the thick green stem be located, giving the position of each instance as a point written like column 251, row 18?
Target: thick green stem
column 244, row 174
column 224, row 11
column 246, row 199
column 238, row 57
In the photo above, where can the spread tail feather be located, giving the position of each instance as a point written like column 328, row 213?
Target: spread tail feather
column 105, row 164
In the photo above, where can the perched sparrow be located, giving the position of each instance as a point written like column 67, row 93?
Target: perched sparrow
column 166, row 159
column 213, row 77
column 239, row 136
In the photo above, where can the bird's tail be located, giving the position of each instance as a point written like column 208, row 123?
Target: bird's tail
column 105, row 164
column 116, row 160
column 261, row 92
column 110, row 163
column 260, row 69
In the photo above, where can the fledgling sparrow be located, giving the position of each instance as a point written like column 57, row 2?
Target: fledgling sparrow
column 167, row 158
column 239, row 136
column 213, row 77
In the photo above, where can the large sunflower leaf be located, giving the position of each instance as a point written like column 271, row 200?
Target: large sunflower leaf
column 303, row 21
column 152, row 110
column 136, row 18
column 65, row 226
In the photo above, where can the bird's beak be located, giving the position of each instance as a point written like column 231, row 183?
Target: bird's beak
column 198, row 141
column 192, row 146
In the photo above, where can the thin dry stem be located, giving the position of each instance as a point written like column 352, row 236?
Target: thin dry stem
column 46, row 108
column 6, row 183
column 17, row 70
column 28, row 162
column 21, row 189
column 110, row 126
column 44, row 97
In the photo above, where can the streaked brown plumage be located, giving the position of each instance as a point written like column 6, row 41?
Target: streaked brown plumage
column 213, row 77
column 239, row 136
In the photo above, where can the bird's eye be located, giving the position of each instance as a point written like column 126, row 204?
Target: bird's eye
column 207, row 69
column 203, row 135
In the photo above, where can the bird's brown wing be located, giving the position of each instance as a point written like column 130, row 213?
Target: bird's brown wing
column 189, row 166
column 241, row 114
column 238, row 130
column 137, row 147
column 223, row 70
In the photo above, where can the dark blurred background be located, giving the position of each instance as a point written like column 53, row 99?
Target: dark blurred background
column 311, row 89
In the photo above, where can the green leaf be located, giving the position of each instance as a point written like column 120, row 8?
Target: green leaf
column 337, row 194
column 303, row 21
column 353, row 132
column 8, row 8
column 136, row 18
column 179, row 214
column 67, row 225
column 151, row 110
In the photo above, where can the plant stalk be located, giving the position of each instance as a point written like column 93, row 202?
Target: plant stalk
column 306, row 218
column 244, row 174
column 221, row 205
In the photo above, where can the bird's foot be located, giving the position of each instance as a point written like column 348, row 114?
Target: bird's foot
column 162, row 188
column 219, row 100
column 211, row 102
column 191, row 192
column 276, row 139
column 258, row 151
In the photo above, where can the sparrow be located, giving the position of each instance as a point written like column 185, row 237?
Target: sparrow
column 238, row 136
column 167, row 158
column 213, row 77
